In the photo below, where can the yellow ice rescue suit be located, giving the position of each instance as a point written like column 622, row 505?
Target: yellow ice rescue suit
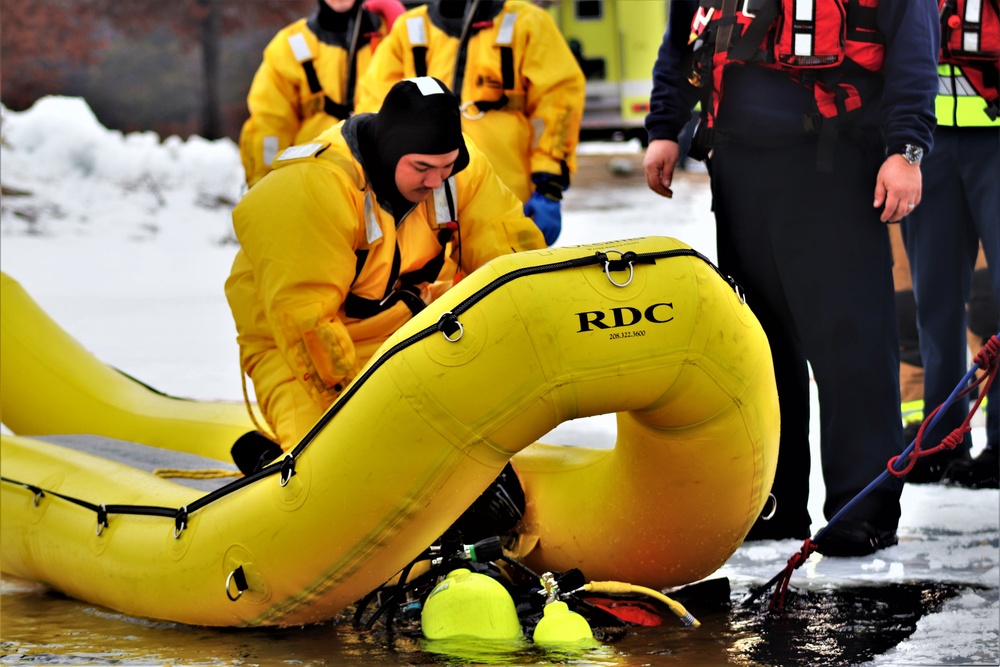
column 325, row 275
column 522, row 90
column 305, row 84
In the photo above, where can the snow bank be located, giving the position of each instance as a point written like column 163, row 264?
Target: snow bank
column 60, row 165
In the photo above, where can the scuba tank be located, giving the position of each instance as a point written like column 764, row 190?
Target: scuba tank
column 469, row 604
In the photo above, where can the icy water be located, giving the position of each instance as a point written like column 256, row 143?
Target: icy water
column 846, row 626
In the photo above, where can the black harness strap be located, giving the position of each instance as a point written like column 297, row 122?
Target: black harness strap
column 352, row 63
column 420, row 60
column 463, row 44
column 727, row 22
column 397, row 261
column 361, row 256
column 331, row 108
column 402, row 287
column 507, row 70
column 338, row 111
column 747, row 47
column 507, row 67
column 361, row 308
column 469, row 28
column 428, row 273
column 312, row 77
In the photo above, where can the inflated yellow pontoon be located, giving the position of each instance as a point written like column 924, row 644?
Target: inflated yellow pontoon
column 644, row 328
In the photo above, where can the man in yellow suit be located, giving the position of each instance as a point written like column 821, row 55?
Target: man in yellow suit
column 307, row 80
column 522, row 90
column 352, row 234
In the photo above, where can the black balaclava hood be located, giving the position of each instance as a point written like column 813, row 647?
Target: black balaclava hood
column 332, row 21
column 417, row 116
column 336, row 28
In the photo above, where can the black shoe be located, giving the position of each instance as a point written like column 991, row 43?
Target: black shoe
column 854, row 537
column 982, row 472
column 930, row 469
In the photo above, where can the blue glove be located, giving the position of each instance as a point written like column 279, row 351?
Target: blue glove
column 547, row 214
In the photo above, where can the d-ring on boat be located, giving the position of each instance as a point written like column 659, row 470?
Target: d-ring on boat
column 645, row 328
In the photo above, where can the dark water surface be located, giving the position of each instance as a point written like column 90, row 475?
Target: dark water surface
column 843, row 626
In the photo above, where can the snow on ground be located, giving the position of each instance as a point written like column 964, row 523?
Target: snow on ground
column 125, row 240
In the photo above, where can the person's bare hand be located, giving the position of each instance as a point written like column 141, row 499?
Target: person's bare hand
column 898, row 188
column 659, row 162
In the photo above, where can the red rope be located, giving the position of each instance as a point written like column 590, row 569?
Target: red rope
column 794, row 563
column 988, row 358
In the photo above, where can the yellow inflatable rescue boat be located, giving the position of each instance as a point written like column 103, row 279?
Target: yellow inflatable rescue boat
column 645, row 328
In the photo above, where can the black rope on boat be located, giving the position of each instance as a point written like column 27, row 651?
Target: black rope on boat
column 449, row 325
column 446, row 325
column 38, row 493
column 627, row 259
column 102, row 511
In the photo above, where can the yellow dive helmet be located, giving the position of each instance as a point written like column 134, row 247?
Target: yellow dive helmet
column 468, row 604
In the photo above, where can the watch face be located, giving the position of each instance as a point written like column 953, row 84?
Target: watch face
column 913, row 154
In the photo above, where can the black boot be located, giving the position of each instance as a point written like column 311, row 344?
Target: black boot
column 867, row 528
column 848, row 538
column 982, row 472
column 931, row 469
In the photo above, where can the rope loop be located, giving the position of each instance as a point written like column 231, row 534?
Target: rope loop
column 449, row 326
column 988, row 358
column 180, row 521
column 102, row 519
column 794, row 562
column 953, row 439
column 287, row 470
column 989, row 355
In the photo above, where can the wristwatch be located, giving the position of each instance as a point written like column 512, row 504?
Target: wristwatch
column 913, row 154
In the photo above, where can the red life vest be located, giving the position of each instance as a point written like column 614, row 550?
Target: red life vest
column 815, row 41
column 970, row 39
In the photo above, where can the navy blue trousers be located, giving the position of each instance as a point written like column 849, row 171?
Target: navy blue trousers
column 814, row 258
column 960, row 207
